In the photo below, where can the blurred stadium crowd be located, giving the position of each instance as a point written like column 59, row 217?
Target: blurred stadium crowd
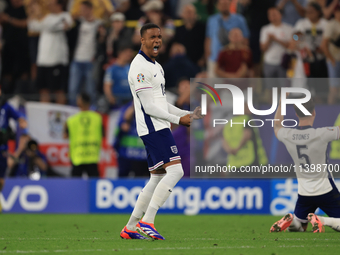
column 51, row 50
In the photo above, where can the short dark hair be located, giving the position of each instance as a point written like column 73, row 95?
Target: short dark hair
column 317, row 7
column 310, row 106
column 146, row 27
column 32, row 145
column 62, row 3
column 276, row 8
column 85, row 98
column 87, row 4
column 183, row 78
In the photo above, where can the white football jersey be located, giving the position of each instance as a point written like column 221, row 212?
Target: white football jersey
column 308, row 148
column 145, row 74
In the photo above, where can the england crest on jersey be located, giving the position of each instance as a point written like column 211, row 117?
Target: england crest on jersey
column 174, row 149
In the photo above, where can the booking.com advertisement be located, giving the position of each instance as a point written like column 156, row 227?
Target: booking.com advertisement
column 247, row 133
column 189, row 197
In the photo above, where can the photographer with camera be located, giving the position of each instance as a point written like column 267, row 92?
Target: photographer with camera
column 6, row 113
column 31, row 163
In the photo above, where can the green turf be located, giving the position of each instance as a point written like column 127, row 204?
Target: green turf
column 204, row 234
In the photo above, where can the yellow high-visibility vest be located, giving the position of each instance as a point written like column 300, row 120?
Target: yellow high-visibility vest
column 85, row 135
column 246, row 155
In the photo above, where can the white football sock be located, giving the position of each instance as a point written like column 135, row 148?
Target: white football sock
column 163, row 190
column 143, row 201
column 334, row 223
column 296, row 225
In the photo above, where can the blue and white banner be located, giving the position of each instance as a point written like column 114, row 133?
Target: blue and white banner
column 189, row 197
column 45, row 196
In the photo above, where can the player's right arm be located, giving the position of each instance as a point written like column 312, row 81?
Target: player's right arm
column 146, row 98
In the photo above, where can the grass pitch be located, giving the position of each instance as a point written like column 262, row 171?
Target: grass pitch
column 203, row 234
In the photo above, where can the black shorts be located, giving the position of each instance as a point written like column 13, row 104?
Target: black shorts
column 15, row 60
column 90, row 169
column 52, row 78
column 329, row 203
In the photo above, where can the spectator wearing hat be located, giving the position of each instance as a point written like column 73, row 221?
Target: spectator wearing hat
column 119, row 35
column 81, row 68
column 331, row 48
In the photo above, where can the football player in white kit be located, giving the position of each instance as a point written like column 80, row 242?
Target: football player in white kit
column 316, row 189
column 153, row 116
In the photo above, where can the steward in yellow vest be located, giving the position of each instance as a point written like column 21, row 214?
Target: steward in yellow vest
column 243, row 144
column 85, row 133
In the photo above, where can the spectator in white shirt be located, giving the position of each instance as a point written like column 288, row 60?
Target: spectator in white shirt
column 82, row 64
column 311, row 30
column 274, row 39
column 52, row 50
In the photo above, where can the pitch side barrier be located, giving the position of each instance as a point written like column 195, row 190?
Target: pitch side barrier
column 189, row 197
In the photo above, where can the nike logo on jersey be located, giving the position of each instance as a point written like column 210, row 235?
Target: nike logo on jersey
column 155, row 75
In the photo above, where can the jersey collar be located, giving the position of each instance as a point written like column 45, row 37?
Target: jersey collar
column 303, row 127
column 146, row 57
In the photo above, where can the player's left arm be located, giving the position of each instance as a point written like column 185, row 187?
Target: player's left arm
column 329, row 134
